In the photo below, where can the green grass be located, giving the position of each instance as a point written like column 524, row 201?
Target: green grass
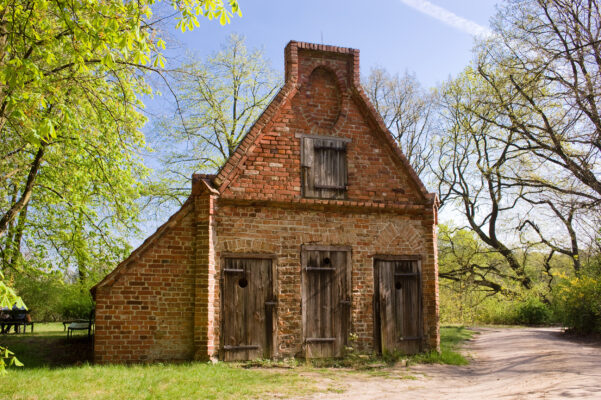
column 170, row 381
column 59, row 369
column 451, row 339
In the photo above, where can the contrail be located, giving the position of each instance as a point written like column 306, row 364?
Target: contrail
column 449, row 18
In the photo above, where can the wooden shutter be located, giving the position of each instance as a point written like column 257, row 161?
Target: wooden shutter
column 398, row 305
column 247, row 311
column 324, row 165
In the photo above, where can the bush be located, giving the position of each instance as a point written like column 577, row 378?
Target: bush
column 51, row 299
column 474, row 308
column 497, row 311
column 76, row 302
column 577, row 303
column 42, row 295
column 532, row 311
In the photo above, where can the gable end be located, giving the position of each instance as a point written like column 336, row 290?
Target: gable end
column 297, row 76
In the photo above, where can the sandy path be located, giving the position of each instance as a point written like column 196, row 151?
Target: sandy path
column 521, row 363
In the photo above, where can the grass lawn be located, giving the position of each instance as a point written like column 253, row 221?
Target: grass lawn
column 59, row 369
column 451, row 339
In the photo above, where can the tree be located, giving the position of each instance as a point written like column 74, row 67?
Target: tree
column 520, row 154
column 467, row 261
column 407, row 110
column 218, row 100
column 71, row 76
column 65, row 66
column 543, row 69
column 473, row 162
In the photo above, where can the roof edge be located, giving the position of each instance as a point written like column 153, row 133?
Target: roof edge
column 114, row 274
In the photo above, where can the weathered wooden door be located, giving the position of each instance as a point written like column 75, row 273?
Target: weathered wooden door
column 398, row 305
column 326, row 300
column 248, row 307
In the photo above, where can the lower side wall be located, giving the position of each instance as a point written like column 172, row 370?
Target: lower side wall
column 147, row 313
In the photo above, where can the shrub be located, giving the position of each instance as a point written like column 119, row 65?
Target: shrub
column 51, row 299
column 42, row 295
column 577, row 302
column 532, row 311
column 496, row 311
column 76, row 302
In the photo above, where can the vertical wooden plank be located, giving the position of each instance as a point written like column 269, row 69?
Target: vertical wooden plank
column 243, row 308
column 337, row 262
column 342, row 171
column 376, row 307
column 311, row 301
column 342, row 296
column 251, row 293
column 308, row 164
column 399, row 290
column 307, row 152
column 268, row 309
column 386, row 306
column 323, row 292
column 413, row 309
column 304, row 297
column 326, row 314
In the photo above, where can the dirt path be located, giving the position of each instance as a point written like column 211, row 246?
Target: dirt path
column 521, row 363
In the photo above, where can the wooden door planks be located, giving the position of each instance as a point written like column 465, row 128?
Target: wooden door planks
column 247, row 316
column 398, row 297
column 325, row 301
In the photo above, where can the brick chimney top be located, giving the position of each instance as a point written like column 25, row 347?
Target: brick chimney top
column 301, row 58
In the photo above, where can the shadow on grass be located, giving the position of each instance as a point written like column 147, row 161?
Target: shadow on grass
column 49, row 350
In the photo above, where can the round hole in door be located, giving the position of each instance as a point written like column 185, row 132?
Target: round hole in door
column 326, row 261
column 398, row 285
column 243, row 283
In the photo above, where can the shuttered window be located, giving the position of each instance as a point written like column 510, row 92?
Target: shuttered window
column 324, row 167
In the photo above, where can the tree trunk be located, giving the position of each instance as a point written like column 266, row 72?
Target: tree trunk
column 16, row 207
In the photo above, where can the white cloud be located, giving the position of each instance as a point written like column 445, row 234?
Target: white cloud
column 449, row 18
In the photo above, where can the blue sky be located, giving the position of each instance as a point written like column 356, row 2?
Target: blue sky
column 432, row 38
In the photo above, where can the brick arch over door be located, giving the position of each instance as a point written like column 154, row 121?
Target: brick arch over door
column 248, row 246
column 400, row 236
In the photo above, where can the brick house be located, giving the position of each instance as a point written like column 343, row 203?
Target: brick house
column 315, row 228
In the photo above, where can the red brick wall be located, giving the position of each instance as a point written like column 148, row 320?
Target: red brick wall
column 147, row 313
column 280, row 231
